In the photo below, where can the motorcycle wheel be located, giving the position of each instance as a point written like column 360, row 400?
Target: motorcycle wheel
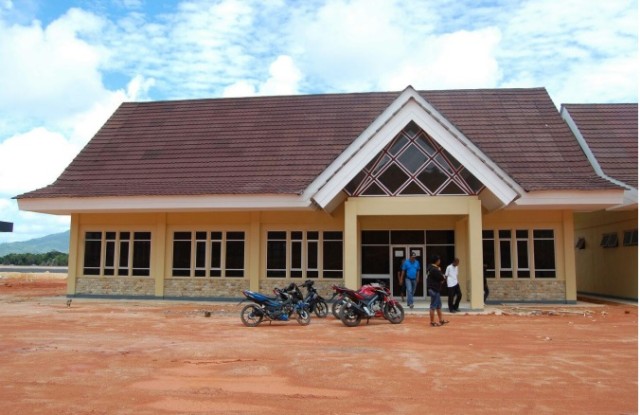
column 321, row 309
column 393, row 313
column 251, row 315
column 304, row 317
column 349, row 316
column 335, row 307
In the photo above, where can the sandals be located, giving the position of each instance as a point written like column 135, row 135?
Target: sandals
column 442, row 323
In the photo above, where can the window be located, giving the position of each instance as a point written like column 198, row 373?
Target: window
column 332, row 254
column 522, row 250
column 215, row 261
column 141, row 253
column 312, row 254
column 544, row 253
column 375, row 252
column 531, row 256
column 441, row 243
column 117, row 253
column 92, row 253
column 234, row 255
column 609, row 240
column 296, row 255
column 504, row 240
column 299, row 254
column 203, row 254
column 181, row 254
column 489, row 253
column 277, row 254
column 630, row 238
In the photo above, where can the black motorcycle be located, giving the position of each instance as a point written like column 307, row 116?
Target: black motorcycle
column 278, row 308
column 314, row 300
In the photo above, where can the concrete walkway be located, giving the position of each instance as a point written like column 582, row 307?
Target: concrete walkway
column 422, row 306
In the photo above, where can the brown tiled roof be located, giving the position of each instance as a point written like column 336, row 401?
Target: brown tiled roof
column 611, row 132
column 279, row 145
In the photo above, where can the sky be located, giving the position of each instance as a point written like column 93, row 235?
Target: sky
column 66, row 65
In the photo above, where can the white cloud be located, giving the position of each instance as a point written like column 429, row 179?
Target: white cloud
column 241, row 88
column 48, row 73
column 284, row 77
column 582, row 51
column 362, row 45
column 612, row 80
column 32, row 160
column 458, row 60
column 83, row 125
column 348, row 45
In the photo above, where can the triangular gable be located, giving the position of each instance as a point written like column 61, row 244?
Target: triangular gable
column 414, row 164
column 411, row 109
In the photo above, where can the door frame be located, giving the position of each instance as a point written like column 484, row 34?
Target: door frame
column 396, row 263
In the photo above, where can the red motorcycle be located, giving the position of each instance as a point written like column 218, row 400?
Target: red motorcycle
column 339, row 297
column 372, row 300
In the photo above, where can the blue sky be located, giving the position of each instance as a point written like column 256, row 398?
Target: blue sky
column 67, row 65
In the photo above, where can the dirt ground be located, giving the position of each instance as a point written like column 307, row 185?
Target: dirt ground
column 162, row 357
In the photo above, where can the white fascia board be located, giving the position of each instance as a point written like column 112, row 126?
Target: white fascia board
column 326, row 186
column 409, row 106
column 470, row 156
column 582, row 142
column 69, row 205
column 588, row 200
column 630, row 201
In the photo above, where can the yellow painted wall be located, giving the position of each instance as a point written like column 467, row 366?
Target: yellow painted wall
column 606, row 271
column 516, row 219
column 442, row 212
column 254, row 224
column 370, row 214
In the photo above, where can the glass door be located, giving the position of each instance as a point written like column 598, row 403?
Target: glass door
column 399, row 253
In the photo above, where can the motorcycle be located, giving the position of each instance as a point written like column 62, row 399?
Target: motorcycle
column 314, row 300
column 373, row 300
column 339, row 298
column 278, row 308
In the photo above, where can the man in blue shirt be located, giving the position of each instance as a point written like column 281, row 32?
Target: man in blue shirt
column 410, row 274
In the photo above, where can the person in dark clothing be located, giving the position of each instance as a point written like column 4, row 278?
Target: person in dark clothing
column 435, row 279
column 486, row 286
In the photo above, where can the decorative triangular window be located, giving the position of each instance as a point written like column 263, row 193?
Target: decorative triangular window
column 414, row 164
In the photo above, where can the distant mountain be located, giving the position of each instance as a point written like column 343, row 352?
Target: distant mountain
column 55, row 242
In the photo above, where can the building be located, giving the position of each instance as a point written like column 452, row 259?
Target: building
column 205, row 198
column 607, row 240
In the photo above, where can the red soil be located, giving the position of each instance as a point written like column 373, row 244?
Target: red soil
column 161, row 357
